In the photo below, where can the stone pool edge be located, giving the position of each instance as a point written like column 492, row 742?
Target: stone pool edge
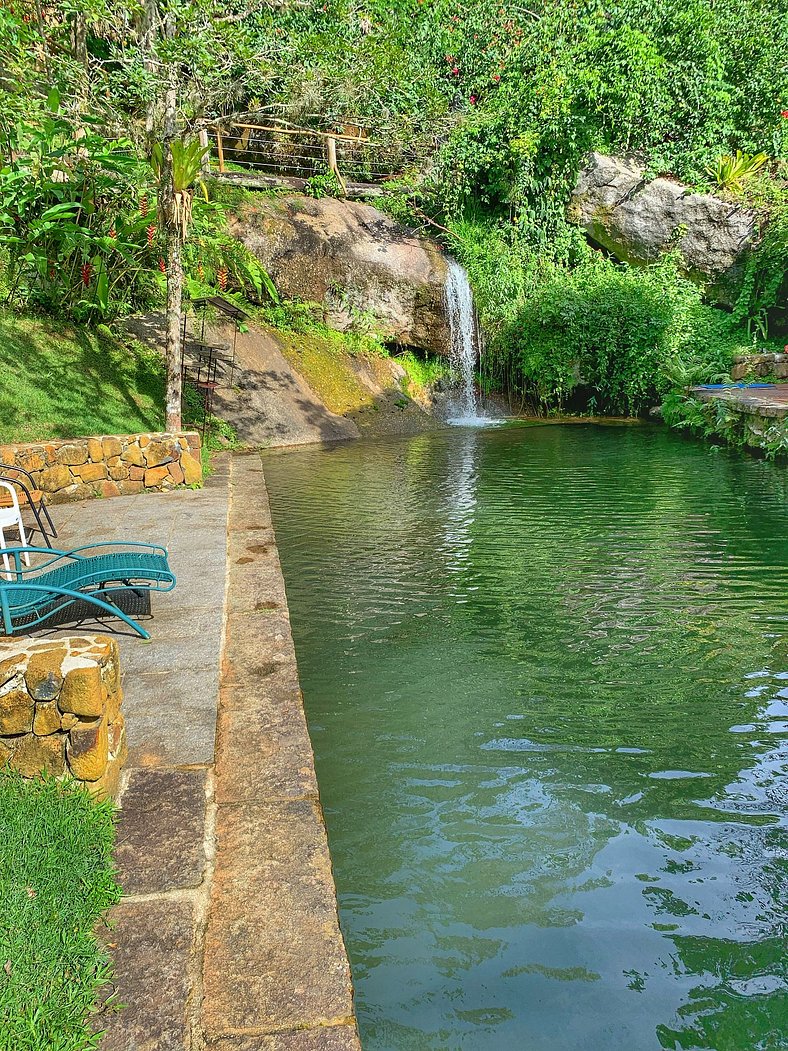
column 276, row 973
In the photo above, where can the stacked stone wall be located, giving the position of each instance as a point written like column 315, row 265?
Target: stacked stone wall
column 113, row 465
column 60, row 711
column 760, row 366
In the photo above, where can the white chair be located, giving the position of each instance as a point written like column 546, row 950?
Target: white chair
column 11, row 518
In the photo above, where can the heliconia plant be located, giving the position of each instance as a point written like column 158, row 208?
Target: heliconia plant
column 73, row 236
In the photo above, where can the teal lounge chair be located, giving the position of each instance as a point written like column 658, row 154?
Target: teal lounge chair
column 35, row 593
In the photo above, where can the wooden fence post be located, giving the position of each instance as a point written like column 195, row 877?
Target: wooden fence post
column 220, row 149
column 331, row 156
column 205, row 159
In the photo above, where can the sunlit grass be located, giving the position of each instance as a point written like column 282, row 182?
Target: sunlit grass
column 60, row 381
column 56, row 880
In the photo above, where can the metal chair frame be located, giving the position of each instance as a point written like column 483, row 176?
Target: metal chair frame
column 37, row 511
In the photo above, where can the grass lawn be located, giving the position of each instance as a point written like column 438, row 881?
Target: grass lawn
column 56, row 880
column 63, row 381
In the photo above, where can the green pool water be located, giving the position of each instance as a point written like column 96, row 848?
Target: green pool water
column 546, row 677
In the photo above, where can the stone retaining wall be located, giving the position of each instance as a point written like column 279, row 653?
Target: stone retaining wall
column 114, row 465
column 60, row 709
column 745, row 417
column 760, row 365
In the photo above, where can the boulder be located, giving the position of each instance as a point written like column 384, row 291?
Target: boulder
column 636, row 219
column 354, row 260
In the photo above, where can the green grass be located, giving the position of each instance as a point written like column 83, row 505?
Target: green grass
column 63, row 381
column 56, row 880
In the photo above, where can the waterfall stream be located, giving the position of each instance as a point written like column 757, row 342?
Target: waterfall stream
column 463, row 352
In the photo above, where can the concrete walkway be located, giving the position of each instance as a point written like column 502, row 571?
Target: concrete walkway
column 227, row 937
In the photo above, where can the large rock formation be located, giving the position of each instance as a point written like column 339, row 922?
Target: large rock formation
column 637, row 219
column 353, row 259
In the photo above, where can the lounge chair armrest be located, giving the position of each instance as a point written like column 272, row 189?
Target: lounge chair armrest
column 77, row 554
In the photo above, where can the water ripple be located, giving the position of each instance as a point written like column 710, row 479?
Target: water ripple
column 545, row 672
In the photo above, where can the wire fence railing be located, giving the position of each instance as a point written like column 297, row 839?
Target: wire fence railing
column 301, row 153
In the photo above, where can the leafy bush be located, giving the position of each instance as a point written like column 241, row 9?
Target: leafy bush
column 422, row 372
column 325, row 185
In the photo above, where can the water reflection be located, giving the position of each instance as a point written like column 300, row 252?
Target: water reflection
column 546, row 674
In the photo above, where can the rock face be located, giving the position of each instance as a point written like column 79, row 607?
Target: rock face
column 636, row 220
column 354, row 260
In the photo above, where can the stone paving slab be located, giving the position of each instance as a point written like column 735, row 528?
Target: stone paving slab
column 274, row 956
column 275, row 763
column 152, row 947
column 173, row 717
column 326, row 1038
column 246, row 662
column 161, row 831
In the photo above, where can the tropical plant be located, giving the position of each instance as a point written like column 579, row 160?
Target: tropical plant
column 731, row 170
column 187, row 161
column 71, row 232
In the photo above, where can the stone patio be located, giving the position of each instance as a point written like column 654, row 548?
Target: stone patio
column 227, row 938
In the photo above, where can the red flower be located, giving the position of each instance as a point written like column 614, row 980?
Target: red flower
column 113, row 232
column 221, row 274
column 162, row 265
column 151, row 231
column 144, row 205
column 456, row 71
column 496, row 78
column 784, row 114
column 472, row 100
column 86, row 271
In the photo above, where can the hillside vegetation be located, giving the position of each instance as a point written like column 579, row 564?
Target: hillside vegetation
column 487, row 108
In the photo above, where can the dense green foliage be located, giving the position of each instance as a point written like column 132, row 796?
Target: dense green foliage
column 487, row 107
column 682, row 86
column 56, row 881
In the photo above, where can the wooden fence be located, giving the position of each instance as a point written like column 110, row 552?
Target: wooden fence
column 279, row 150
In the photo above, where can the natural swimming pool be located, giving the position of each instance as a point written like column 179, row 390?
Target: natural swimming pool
column 546, row 676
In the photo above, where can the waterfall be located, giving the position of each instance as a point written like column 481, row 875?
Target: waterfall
column 463, row 351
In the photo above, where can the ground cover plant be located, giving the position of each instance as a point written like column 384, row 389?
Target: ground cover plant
column 56, row 882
